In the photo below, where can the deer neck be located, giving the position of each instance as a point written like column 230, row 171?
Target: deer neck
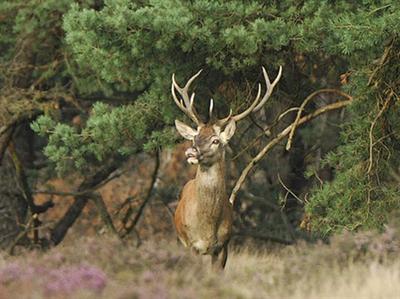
column 210, row 183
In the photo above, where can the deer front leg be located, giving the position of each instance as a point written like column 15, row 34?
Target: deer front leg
column 218, row 259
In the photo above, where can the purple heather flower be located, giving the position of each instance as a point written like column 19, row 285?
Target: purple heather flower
column 14, row 271
column 70, row 279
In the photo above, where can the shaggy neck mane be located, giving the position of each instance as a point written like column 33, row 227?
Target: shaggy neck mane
column 210, row 182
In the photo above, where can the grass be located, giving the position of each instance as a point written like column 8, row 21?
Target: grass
column 365, row 265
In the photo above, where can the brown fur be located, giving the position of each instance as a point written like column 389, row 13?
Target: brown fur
column 203, row 218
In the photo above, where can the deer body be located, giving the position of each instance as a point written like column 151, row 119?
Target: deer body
column 203, row 218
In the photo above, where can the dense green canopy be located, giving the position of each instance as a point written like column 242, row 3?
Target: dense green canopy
column 110, row 64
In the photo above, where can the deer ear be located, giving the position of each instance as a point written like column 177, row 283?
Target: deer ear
column 185, row 131
column 228, row 132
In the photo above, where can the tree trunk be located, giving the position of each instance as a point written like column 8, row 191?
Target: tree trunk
column 13, row 207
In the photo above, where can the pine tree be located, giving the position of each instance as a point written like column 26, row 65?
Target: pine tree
column 109, row 65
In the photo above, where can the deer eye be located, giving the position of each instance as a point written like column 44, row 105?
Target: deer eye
column 216, row 141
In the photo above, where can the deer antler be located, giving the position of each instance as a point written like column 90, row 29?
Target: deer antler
column 256, row 105
column 186, row 103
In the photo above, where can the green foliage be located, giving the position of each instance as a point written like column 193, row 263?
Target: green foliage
column 107, row 132
column 135, row 46
column 122, row 53
column 32, row 39
column 365, row 190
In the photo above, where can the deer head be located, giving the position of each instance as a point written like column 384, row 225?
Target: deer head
column 209, row 139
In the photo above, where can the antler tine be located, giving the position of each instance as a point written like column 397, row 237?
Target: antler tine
column 210, row 111
column 250, row 109
column 178, row 102
column 223, row 121
column 256, row 105
column 186, row 88
column 184, row 92
column 191, row 100
column 270, row 88
column 187, row 105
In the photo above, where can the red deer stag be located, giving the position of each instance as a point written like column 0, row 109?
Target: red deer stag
column 203, row 218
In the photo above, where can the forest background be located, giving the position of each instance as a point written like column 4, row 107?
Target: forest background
column 87, row 143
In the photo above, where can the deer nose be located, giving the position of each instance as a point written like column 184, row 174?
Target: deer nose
column 199, row 154
column 192, row 152
column 192, row 155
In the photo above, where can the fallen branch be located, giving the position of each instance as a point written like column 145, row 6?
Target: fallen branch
column 279, row 138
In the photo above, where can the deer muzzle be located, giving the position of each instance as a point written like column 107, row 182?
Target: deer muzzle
column 192, row 155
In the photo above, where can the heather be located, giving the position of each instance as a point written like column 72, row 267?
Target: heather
column 91, row 165
column 362, row 265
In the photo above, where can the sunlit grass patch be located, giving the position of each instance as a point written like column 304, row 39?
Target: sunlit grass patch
column 365, row 265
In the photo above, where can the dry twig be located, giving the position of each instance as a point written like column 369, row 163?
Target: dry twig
column 371, row 129
column 288, row 190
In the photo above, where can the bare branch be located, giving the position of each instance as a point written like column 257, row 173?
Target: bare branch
column 371, row 129
column 309, row 98
column 102, row 208
column 83, row 192
column 147, row 198
column 279, row 138
column 62, row 226
column 288, row 190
